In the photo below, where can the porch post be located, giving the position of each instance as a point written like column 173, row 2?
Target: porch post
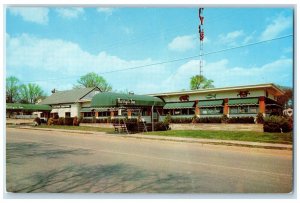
column 226, row 108
column 262, row 105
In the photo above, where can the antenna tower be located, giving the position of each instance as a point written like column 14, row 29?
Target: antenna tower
column 201, row 37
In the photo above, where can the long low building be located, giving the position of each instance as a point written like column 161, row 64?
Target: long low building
column 232, row 101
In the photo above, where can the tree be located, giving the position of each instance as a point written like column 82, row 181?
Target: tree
column 93, row 80
column 287, row 98
column 200, row 82
column 12, row 86
column 31, row 93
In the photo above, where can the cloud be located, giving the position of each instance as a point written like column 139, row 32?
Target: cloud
column 278, row 71
column 70, row 13
column 183, row 43
column 106, row 11
column 277, row 26
column 231, row 37
column 55, row 58
column 37, row 15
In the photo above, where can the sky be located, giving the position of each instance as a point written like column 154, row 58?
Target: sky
column 54, row 46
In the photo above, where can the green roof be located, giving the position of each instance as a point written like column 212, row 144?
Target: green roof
column 86, row 109
column 110, row 99
column 244, row 101
column 179, row 105
column 211, row 103
column 28, row 107
column 68, row 96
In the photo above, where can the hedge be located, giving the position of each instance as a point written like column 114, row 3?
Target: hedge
column 278, row 124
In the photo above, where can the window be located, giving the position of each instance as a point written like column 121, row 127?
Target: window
column 101, row 114
column 67, row 114
column 233, row 109
column 252, row 109
column 211, row 110
column 243, row 109
column 87, row 114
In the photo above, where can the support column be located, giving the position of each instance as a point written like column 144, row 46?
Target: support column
column 129, row 113
column 262, row 105
column 96, row 114
column 226, row 107
column 197, row 110
column 112, row 114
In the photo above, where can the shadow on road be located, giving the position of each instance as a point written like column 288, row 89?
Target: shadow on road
column 17, row 153
column 118, row 178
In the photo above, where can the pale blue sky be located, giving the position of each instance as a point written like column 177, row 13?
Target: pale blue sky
column 54, row 46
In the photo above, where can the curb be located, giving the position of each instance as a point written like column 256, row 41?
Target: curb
column 176, row 139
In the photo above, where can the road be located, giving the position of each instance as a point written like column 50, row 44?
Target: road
column 51, row 161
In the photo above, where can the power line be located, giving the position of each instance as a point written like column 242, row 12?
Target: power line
column 173, row 60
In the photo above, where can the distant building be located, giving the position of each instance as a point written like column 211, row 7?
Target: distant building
column 69, row 103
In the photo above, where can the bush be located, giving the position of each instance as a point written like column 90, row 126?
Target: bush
column 260, row 118
column 37, row 121
column 246, row 119
column 61, row 121
column 86, row 120
column 68, row 121
column 277, row 124
column 161, row 126
column 76, row 121
column 101, row 120
column 167, row 119
column 181, row 120
column 50, row 121
column 56, row 116
column 210, row 120
column 224, row 118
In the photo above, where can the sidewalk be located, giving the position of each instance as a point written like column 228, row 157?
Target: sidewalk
column 177, row 139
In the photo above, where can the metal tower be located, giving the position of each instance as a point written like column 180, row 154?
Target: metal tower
column 201, row 37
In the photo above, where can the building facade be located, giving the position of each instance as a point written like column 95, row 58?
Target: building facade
column 69, row 103
column 235, row 101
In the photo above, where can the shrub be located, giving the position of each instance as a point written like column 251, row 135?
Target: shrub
column 224, row 118
column 246, row 119
column 55, row 121
column 181, row 120
column 61, row 121
column 277, row 124
column 260, row 118
column 37, row 121
column 50, row 121
column 86, row 120
column 209, row 120
column 161, row 126
column 167, row 119
column 56, row 116
column 68, row 121
column 75, row 121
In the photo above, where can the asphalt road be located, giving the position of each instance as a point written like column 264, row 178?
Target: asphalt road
column 47, row 161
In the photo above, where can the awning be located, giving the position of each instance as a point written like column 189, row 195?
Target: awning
column 179, row 105
column 241, row 102
column 210, row 103
column 27, row 107
column 110, row 99
column 86, row 109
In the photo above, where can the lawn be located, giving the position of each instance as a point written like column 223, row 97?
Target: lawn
column 283, row 138
column 83, row 128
